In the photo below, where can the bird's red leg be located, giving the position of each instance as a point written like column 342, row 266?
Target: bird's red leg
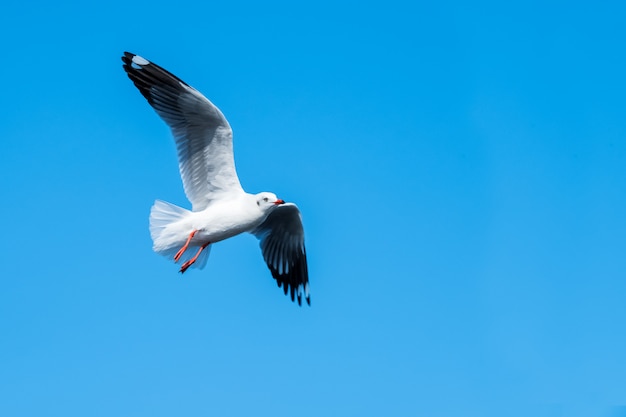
column 190, row 262
column 185, row 246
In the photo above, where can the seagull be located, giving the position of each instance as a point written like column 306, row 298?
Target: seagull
column 220, row 208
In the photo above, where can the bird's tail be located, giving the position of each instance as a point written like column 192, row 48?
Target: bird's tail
column 166, row 236
column 163, row 214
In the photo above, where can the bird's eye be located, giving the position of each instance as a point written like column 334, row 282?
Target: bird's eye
column 265, row 199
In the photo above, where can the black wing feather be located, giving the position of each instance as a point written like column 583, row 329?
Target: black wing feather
column 282, row 244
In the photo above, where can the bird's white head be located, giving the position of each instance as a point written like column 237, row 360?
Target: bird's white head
column 266, row 201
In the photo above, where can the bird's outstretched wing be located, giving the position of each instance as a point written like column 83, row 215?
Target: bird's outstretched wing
column 282, row 244
column 204, row 139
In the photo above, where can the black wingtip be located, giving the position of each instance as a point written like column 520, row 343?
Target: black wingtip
column 307, row 299
column 146, row 75
column 127, row 58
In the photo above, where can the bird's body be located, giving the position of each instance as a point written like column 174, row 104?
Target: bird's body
column 220, row 207
column 219, row 221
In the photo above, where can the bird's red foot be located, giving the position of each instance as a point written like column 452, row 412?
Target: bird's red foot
column 185, row 246
column 190, row 262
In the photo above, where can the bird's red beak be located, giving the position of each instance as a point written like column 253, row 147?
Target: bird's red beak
column 279, row 201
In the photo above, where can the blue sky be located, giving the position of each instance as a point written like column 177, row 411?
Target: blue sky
column 461, row 169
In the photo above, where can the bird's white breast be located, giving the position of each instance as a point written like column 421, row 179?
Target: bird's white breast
column 227, row 218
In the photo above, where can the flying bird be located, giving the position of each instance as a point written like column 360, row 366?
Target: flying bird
column 220, row 208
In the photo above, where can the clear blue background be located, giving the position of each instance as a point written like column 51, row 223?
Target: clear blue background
column 461, row 168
